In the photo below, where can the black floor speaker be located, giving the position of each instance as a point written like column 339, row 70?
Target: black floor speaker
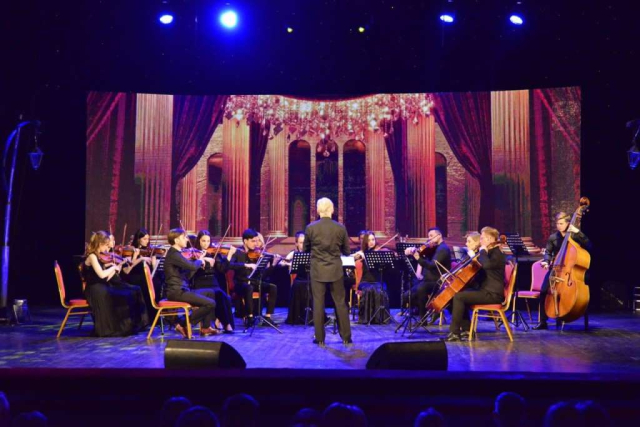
column 428, row 355
column 185, row 354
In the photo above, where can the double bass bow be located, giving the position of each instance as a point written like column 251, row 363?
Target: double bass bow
column 568, row 295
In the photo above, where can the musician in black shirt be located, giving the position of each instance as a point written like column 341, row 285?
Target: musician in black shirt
column 177, row 272
column 438, row 253
column 491, row 281
column 553, row 247
column 245, row 287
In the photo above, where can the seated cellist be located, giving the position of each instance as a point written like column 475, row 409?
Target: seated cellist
column 553, row 246
column 491, row 285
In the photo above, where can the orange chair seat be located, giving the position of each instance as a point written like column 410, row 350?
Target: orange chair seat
column 488, row 307
column 175, row 304
column 528, row 294
column 78, row 302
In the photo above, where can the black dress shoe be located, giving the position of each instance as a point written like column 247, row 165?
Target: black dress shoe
column 270, row 320
column 348, row 342
column 541, row 326
column 320, row 343
column 464, row 336
column 453, row 337
column 226, row 331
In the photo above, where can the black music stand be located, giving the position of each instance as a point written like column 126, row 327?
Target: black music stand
column 303, row 259
column 515, row 243
column 380, row 260
column 410, row 273
column 261, row 267
column 400, row 248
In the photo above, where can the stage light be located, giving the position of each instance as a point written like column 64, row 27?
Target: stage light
column 361, row 29
column 516, row 19
column 289, row 30
column 166, row 18
column 447, row 18
column 229, row 19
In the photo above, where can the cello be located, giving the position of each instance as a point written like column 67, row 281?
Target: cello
column 568, row 295
column 456, row 280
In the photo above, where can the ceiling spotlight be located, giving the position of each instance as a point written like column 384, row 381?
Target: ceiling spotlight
column 166, row 18
column 447, row 12
column 289, row 30
column 229, row 19
column 516, row 19
column 361, row 29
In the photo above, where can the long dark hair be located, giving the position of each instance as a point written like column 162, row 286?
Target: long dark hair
column 200, row 234
column 365, row 240
column 139, row 235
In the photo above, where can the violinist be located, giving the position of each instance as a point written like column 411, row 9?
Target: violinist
column 435, row 252
column 243, row 264
column 134, row 272
column 117, row 310
column 205, row 282
column 178, row 271
column 374, row 293
column 553, row 247
column 491, row 288
column 300, row 287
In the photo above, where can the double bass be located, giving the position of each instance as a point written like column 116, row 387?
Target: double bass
column 568, row 295
column 456, row 280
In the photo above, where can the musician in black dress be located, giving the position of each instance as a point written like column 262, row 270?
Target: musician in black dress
column 118, row 308
column 134, row 272
column 553, row 247
column 205, row 283
column 178, row 271
column 243, row 266
column 373, row 291
column 437, row 253
column 491, row 291
column 300, row 296
column 327, row 240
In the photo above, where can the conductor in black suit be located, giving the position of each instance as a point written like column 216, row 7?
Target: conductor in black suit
column 327, row 240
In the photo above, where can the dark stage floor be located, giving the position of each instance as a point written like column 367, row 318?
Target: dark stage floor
column 611, row 345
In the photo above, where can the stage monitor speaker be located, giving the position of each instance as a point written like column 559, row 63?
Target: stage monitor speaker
column 427, row 355
column 184, row 354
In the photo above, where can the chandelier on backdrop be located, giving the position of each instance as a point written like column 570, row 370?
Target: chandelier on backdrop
column 329, row 119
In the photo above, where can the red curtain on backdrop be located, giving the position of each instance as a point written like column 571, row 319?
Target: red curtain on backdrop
column 110, row 144
column 258, row 139
column 465, row 121
column 195, row 119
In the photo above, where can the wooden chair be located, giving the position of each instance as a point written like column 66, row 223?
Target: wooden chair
column 231, row 284
column 75, row 307
column 165, row 307
column 538, row 273
column 497, row 311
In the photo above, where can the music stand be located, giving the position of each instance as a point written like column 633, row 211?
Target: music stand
column 515, row 243
column 410, row 272
column 303, row 259
column 380, row 260
column 261, row 267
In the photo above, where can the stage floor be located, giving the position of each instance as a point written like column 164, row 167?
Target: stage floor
column 612, row 344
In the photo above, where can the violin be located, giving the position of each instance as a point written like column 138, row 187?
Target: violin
column 153, row 251
column 112, row 258
column 191, row 254
column 427, row 249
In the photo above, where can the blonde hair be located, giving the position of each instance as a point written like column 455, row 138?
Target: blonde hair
column 492, row 232
column 174, row 234
column 563, row 215
column 325, row 207
column 475, row 236
column 98, row 238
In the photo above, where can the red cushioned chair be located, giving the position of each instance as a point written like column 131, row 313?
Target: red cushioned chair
column 75, row 307
column 165, row 307
column 538, row 274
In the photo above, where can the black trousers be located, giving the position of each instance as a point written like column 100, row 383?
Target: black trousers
column 204, row 313
column 462, row 301
column 420, row 293
column 318, row 290
column 246, row 290
column 223, row 310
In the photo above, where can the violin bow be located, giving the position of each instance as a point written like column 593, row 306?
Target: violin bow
column 387, row 242
column 220, row 242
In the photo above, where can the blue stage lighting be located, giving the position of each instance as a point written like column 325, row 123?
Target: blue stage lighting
column 166, row 18
column 229, row 19
column 447, row 17
column 516, row 19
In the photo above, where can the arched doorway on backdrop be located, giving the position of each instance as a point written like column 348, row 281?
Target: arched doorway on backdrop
column 214, row 193
column 355, row 187
column 299, row 185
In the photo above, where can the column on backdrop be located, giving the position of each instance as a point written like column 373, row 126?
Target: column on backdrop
column 153, row 150
column 511, row 161
column 278, row 159
column 376, row 181
column 188, row 189
column 235, row 177
column 421, row 151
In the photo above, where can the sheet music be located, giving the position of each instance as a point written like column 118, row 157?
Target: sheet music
column 348, row 261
